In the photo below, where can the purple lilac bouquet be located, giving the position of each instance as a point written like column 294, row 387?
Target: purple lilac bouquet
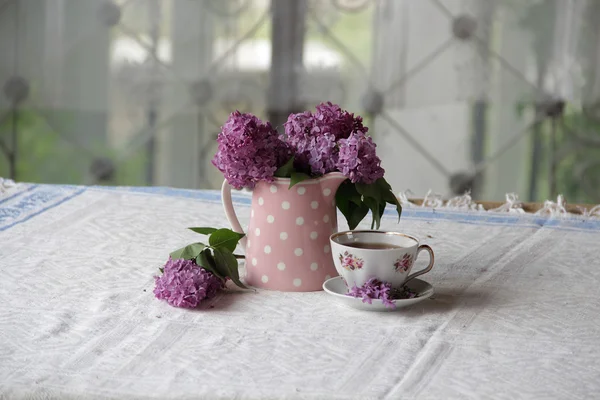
column 314, row 144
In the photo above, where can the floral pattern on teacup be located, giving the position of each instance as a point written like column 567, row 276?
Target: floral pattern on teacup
column 351, row 262
column 403, row 264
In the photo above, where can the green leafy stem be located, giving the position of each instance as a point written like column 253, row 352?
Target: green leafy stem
column 354, row 200
column 216, row 257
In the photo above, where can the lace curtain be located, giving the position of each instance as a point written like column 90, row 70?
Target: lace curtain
column 480, row 95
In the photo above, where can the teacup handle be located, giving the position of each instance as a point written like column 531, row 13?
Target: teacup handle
column 230, row 212
column 429, row 267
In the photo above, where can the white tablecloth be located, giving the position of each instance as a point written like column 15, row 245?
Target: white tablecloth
column 516, row 312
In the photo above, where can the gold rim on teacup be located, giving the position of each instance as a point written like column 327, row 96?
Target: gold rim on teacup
column 334, row 236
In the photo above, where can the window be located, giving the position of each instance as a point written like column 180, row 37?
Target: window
column 488, row 96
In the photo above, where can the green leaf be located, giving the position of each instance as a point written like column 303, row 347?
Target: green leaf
column 162, row 270
column 347, row 192
column 383, row 184
column 389, row 196
column 342, row 199
column 286, row 169
column 188, row 252
column 356, row 215
column 381, row 209
column 355, row 201
column 225, row 238
column 373, row 194
column 297, row 177
column 203, row 230
column 372, row 190
column 206, row 261
column 374, row 207
column 351, row 204
column 398, row 206
column 225, row 260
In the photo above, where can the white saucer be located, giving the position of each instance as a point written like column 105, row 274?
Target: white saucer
column 337, row 288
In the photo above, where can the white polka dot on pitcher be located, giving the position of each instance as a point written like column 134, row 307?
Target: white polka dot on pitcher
column 257, row 231
column 270, row 219
column 283, row 236
column 326, row 249
column 314, row 205
column 285, row 205
column 281, row 266
column 248, row 243
column 254, row 261
column 261, row 201
column 273, row 189
column 314, row 266
column 298, row 252
column 264, row 279
column 268, row 249
column 326, row 192
column 299, row 221
column 301, row 190
column 326, row 218
column 314, row 235
column 297, row 282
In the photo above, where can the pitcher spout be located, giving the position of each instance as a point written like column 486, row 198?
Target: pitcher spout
column 332, row 180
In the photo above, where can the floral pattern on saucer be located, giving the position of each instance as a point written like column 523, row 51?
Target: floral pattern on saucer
column 403, row 264
column 351, row 262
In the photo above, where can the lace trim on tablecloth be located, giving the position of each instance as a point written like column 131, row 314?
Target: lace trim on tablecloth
column 7, row 185
column 512, row 204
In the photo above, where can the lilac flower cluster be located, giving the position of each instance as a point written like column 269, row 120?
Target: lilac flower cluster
column 332, row 139
column 328, row 140
column 336, row 121
column 358, row 160
column 313, row 144
column 374, row 289
column 184, row 284
column 249, row 150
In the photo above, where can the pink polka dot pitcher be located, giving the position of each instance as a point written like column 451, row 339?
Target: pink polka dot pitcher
column 287, row 243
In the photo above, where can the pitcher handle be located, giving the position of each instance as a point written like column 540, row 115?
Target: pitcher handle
column 230, row 212
column 429, row 267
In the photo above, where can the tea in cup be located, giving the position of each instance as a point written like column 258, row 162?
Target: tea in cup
column 387, row 256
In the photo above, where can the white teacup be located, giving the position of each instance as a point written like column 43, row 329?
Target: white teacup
column 388, row 256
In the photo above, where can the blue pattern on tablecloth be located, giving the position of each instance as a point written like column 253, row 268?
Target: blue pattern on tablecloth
column 32, row 200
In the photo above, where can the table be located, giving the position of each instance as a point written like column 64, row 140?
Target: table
column 515, row 314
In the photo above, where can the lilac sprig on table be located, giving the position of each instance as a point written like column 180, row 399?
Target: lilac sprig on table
column 314, row 144
column 196, row 272
column 185, row 284
column 375, row 289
